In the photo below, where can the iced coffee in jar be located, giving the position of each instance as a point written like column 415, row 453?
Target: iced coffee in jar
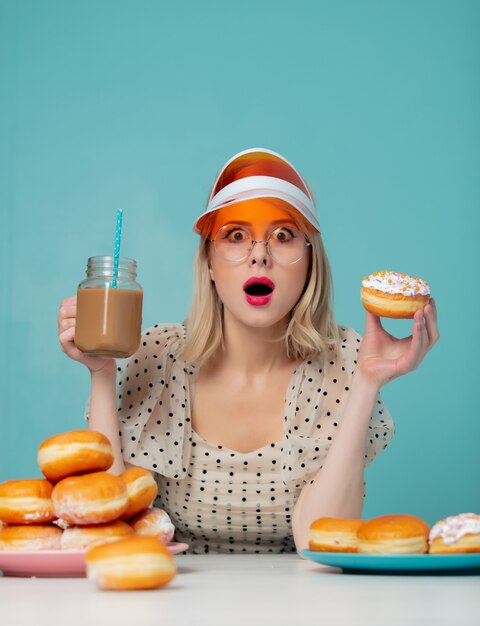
column 109, row 308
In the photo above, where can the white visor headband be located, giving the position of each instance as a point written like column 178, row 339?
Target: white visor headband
column 251, row 187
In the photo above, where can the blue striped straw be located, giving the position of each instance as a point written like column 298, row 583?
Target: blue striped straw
column 116, row 254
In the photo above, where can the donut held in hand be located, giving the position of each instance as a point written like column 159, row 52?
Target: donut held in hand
column 75, row 452
column 30, row 538
column 328, row 534
column 390, row 294
column 133, row 563
column 153, row 523
column 393, row 534
column 26, row 501
column 93, row 498
column 85, row 537
column 141, row 488
column 457, row 534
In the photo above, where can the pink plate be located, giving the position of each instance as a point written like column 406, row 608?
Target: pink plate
column 53, row 563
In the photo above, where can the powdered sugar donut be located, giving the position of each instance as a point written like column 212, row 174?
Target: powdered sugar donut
column 86, row 537
column 30, row 537
column 141, row 488
column 153, row 523
column 75, row 452
column 390, row 294
column 93, row 498
column 26, row 501
column 132, row 563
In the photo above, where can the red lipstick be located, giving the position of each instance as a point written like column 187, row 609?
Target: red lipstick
column 258, row 290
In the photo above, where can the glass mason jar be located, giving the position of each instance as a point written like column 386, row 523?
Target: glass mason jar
column 109, row 312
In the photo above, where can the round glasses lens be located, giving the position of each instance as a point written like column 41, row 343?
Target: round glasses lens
column 287, row 245
column 233, row 242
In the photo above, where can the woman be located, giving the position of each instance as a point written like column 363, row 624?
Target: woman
column 259, row 414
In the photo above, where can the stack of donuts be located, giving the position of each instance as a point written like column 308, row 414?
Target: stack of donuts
column 80, row 506
column 396, row 534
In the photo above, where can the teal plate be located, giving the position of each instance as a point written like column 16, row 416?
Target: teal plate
column 406, row 563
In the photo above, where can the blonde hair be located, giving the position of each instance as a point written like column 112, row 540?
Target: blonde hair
column 311, row 328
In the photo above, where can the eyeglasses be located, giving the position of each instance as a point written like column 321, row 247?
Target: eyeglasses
column 234, row 243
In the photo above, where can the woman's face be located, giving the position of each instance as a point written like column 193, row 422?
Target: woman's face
column 251, row 305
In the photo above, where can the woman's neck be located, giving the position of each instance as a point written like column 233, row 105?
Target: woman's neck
column 252, row 351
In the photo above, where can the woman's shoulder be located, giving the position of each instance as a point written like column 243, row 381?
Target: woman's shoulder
column 349, row 341
column 157, row 362
column 166, row 336
column 347, row 333
column 335, row 363
column 160, row 345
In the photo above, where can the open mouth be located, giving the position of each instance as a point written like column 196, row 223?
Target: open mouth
column 259, row 286
column 257, row 289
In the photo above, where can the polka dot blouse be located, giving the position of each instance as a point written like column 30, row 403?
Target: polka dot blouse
column 221, row 500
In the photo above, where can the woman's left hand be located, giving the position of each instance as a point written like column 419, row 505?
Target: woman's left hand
column 383, row 357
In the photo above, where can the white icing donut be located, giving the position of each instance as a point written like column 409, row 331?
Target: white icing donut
column 390, row 294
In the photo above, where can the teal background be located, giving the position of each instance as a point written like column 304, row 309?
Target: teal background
column 138, row 105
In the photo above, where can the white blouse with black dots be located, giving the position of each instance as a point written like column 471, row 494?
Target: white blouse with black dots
column 221, row 500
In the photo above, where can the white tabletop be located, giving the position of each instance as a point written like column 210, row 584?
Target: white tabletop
column 232, row 590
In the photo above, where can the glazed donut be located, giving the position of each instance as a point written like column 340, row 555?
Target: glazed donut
column 75, row 452
column 457, row 534
column 32, row 537
column 83, row 537
column 141, row 488
column 93, row 498
column 133, row 563
column 153, row 523
column 26, row 501
column 389, row 294
column 328, row 534
column 393, row 534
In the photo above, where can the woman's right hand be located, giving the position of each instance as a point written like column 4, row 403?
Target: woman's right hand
column 67, row 316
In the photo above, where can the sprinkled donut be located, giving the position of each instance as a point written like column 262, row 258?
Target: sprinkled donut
column 456, row 534
column 390, row 294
